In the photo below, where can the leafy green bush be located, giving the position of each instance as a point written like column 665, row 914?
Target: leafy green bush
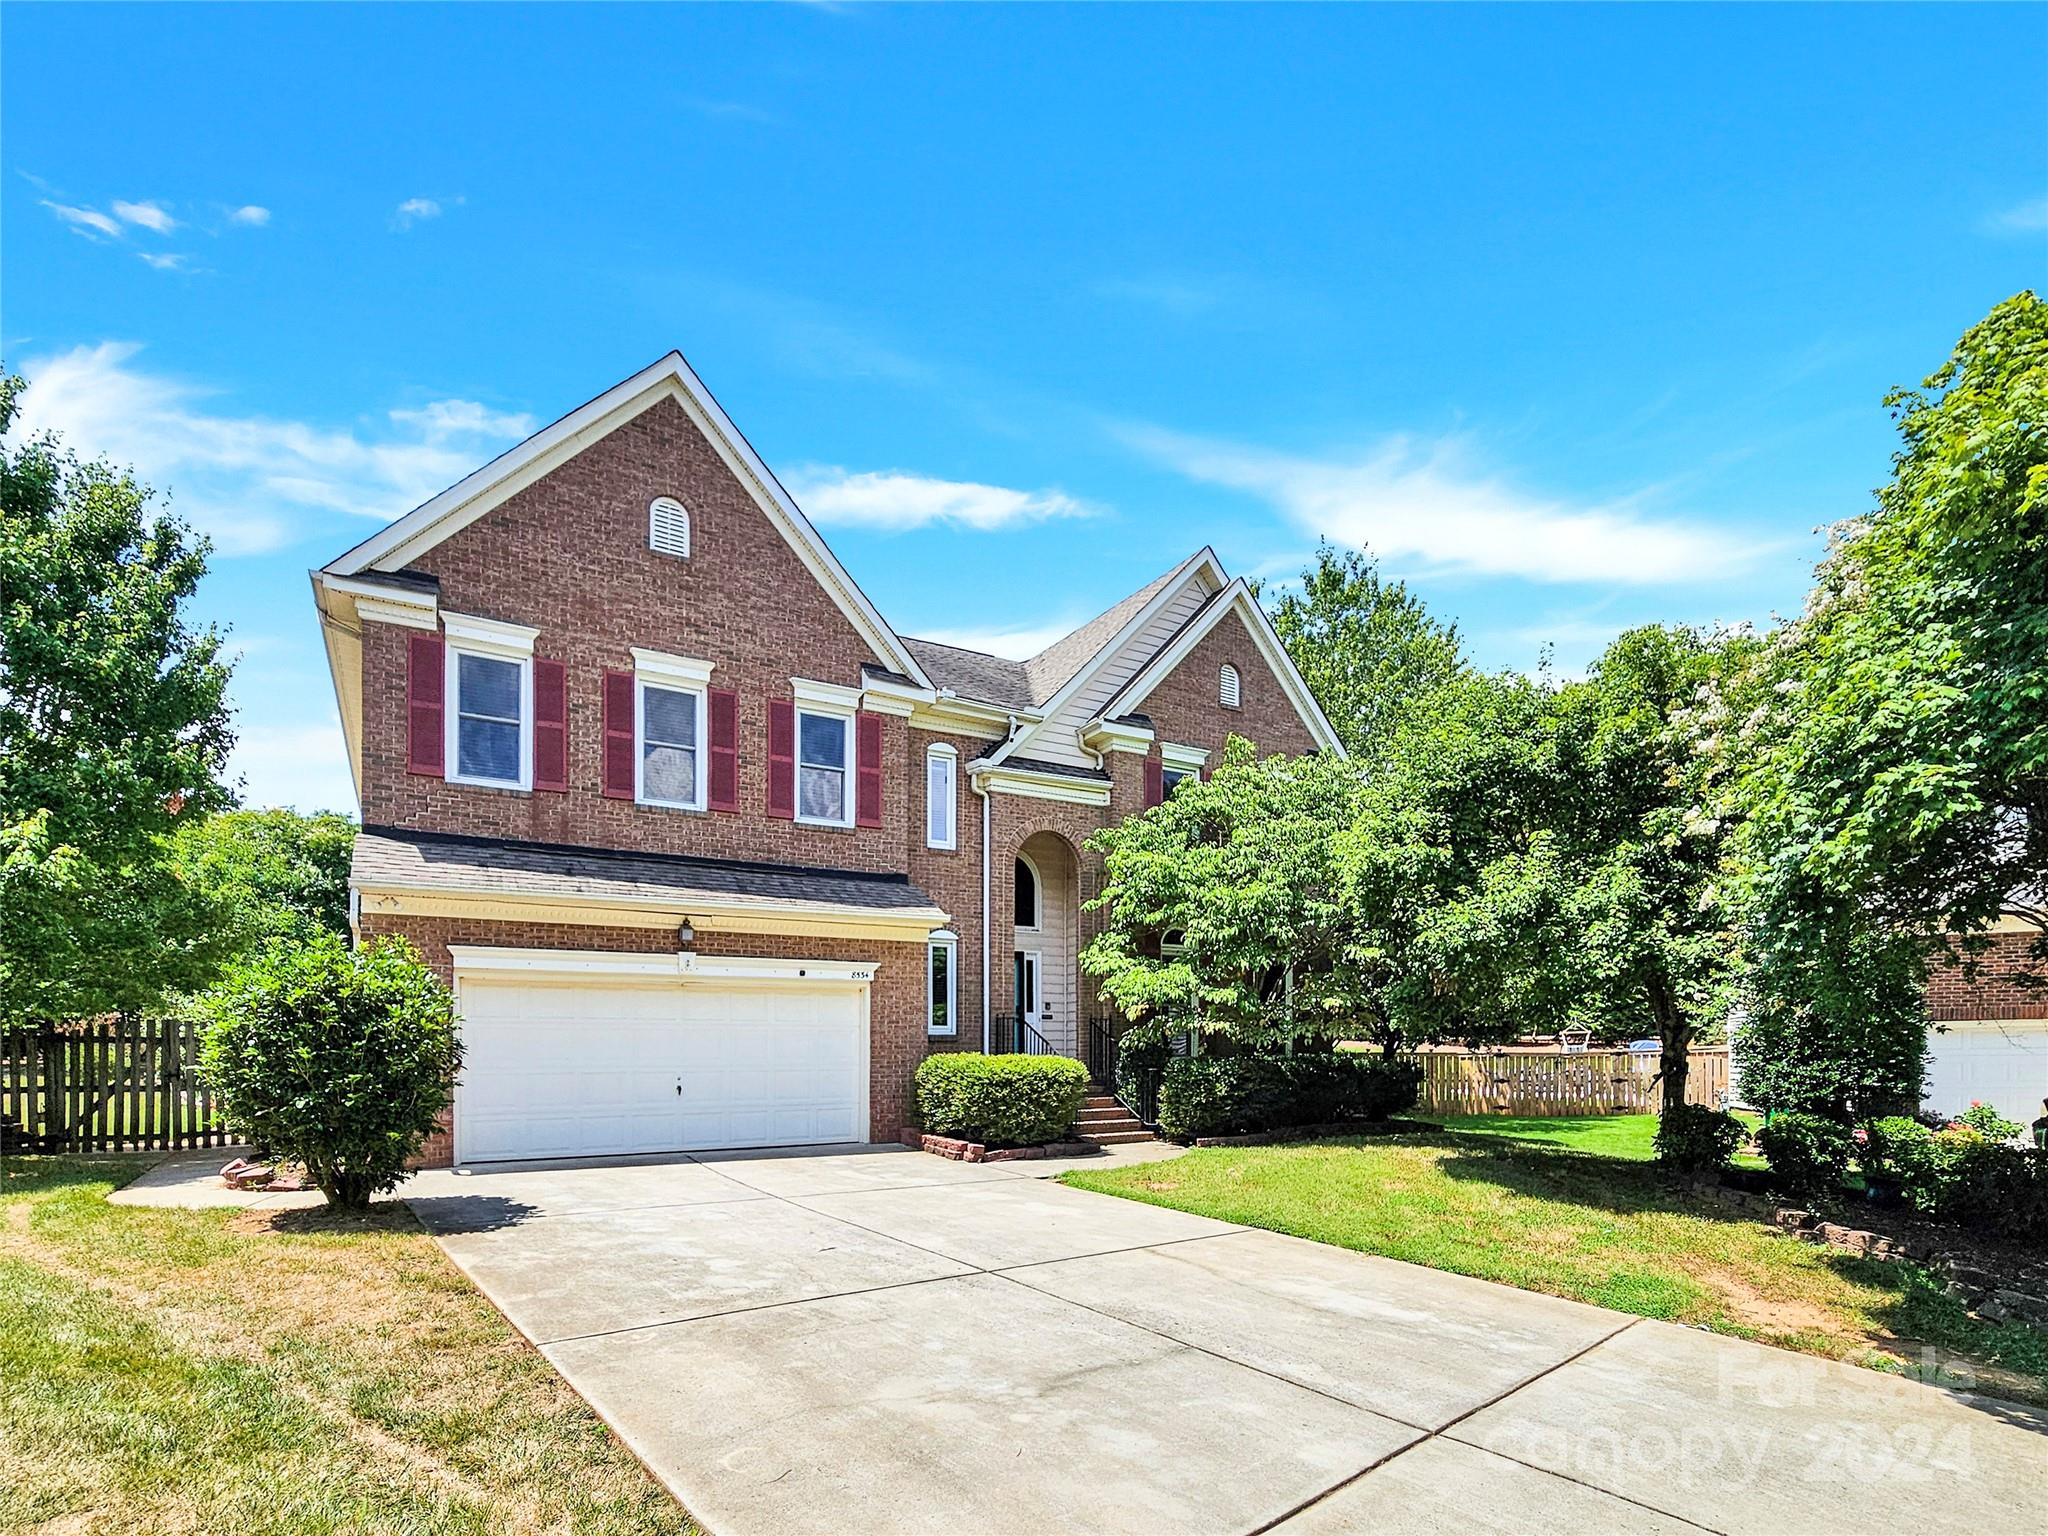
column 1234, row 1095
column 340, row 1059
column 1002, row 1101
column 1808, row 1154
column 1986, row 1121
column 1961, row 1176
column 1695, row 1139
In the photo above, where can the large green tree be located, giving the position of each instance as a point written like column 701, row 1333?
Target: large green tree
column 1894, row 798
column 1366, row 646
column 272, row 874
column 113, row 732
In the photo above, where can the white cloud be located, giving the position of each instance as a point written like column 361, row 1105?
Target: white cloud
column 249, row 214
column 892, row 500
column 2022, row 218
column 1177, row 296
column 1428, row 500
column 301, row 766
column 150, row 215
column 412, row 210
column 89, row 222
column 1017, row 642
column 252, row 482
column 164, row 261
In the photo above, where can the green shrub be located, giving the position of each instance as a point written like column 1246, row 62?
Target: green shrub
column 1001, row 1101
column 1894, row 1145
column 1808, row 1154
column 1236, row 1095
column 1986, row 1121
column 1695, row 1139
column 1958, row 1175
column 336, row 1058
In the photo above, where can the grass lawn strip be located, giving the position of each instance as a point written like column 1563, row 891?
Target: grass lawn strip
column 1599, row 1229
column 173, row 1371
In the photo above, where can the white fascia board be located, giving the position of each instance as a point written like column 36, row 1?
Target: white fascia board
column 1238, row 599
column 482, row 490
column 986, row 774
column 1203, row 561
column 377, row 603
column 475, row 634
column 886, row 698
column 661, row 667
column 343, row 669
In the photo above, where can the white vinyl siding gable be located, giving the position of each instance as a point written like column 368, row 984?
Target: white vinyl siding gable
column 1059, row 739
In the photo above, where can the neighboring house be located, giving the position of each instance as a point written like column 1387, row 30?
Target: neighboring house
column 711, row 855
column 1990, row 1040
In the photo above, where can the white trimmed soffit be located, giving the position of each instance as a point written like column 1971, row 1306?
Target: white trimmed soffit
column 492, row 960
column 964, row 716
column 661, row 667
column 343, row 640
column 1202, row 562
column 707, row 914
column 378, row 603
column 998, row 779
column 1236, row 598
column 1174, row 755
column 512, row 471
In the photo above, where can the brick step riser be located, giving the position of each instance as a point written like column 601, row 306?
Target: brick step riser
column 1116, row 1138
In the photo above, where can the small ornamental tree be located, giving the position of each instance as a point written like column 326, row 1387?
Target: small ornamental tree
column 340, row 1059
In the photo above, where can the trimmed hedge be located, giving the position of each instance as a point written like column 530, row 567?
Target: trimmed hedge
column 1809, row 1154
column 1695, row 1139
column 1961, row 1176
column 1238, row 1095
column 1000, row 1101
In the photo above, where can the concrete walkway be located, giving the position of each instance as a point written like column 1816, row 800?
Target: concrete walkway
column 883, row 1341
column 190, row 1181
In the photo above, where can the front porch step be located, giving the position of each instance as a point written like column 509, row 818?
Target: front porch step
column 1118, row 1138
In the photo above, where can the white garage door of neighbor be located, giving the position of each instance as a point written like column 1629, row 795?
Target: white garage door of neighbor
column 2003, row 1065
column 576, row 1070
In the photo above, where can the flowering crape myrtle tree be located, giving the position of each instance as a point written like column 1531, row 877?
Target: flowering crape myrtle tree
column 1895, row 794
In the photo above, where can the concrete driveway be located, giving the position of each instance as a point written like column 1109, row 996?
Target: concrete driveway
column 882, row 1341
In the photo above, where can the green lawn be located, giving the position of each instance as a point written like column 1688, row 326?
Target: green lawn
column 1597, row 1228
column 189, row 1371
column 1623, row 1136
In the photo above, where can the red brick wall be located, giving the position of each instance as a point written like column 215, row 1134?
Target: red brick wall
column 1185, row 708
column 895, row 998
column 951, row 877
column 569, row 556
column 1996, row 990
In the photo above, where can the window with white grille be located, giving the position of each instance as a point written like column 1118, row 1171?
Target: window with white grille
column 1226, row 686
column 668, row 527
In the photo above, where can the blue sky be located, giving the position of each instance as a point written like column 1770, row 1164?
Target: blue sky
column 1580, row 318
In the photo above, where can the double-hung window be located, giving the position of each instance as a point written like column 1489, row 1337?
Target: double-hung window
column 942, row 985
column 824, row 767
column 490, row 702
column 940, row 761
column 669, row 729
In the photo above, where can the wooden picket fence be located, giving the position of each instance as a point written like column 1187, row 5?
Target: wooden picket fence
column 105, row 1085
column 1526, row 1082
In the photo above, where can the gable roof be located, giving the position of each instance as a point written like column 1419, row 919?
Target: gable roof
column 470, row 498
column 1052, row 667
column 974, row 674
column 1236, row 598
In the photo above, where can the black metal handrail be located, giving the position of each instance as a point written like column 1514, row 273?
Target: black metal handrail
column 1136, row 1086
column 1011, row 1035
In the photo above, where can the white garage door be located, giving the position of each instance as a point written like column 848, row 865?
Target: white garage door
column 2003, row 1065
column 580, row 1070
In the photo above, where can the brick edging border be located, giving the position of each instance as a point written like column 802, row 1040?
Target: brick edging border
column 1311, row 1132
column 974, row 1152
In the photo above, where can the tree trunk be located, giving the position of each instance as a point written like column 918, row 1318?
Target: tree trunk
column 1674, row 1036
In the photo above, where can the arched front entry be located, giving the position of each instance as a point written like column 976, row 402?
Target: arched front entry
column 1046, row 942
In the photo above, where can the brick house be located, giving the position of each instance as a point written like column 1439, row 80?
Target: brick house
column 711, row 854
column 1989, row 1043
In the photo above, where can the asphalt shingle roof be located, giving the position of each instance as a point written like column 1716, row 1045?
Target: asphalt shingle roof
column 392, row 857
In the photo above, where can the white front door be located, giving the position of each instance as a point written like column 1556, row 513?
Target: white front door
column 1030, row 1003
column 596, row 1069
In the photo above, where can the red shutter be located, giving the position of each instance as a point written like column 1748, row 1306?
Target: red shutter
column 426, row 688
column 1155, row 783
column 618, row 735
column 868, row 776
column 782, row 758
column 723, row 705
column 550, row 724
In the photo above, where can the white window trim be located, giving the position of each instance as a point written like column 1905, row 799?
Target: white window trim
column 824, row 698
column 642, row 681
column 453, row 725
column 1037, row 896
column 942, row 752
column 489, row 637
column 672, row 671
column 1186, row 759
column 950, row 941
column 845, row 717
